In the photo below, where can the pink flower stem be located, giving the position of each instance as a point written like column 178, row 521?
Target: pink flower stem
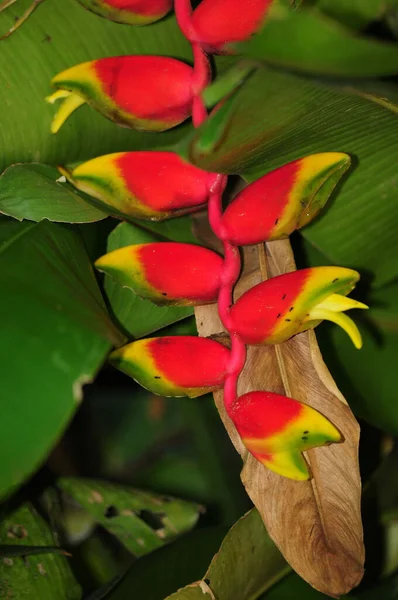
column 232, row 262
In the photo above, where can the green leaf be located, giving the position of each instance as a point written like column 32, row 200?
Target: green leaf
column 246, row 565
column 313, row 43
column 10, row 550
column 137, row 316
column 55, row 335
column 180, row 229
column 356, row 13
column 293, row 587
column 44, row 577
column 31, row 191
column 166, row 569
column 59, row 35
column 140, row 520
column 276, row 118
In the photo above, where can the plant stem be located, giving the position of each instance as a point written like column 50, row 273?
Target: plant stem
column 22, row 19
column 232, row 262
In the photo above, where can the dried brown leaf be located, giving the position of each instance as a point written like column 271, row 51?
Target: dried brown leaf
column 316, row 524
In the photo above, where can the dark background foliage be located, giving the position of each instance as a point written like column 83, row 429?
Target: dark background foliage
column 325, row 79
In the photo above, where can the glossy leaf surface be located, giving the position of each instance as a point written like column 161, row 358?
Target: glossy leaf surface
column 33, row 192
column 174, row 365
column 318, row 45
column 58, row 325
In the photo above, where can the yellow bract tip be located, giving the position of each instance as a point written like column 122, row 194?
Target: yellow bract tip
column 339, row 303
column 70, row 103
column 341, row 319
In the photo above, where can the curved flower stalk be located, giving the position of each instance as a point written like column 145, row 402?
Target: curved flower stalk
column 175, row 366
column 156, row 93
column 166, row 272
column 148, row 93
column 277, row 429
column 217, row 23
column 148, row 185
column 277, row 309
column 129, row 12
column 285, row 199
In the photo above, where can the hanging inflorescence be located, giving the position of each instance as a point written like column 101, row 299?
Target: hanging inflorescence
column 154, row 93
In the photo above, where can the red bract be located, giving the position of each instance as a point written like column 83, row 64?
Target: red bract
column 284, row 199
column 217, row 23
column 166, row 272
column 277, row 429
column 279, row 308
column 149, row 93
column 174, row 366
column 130, row 12
column 148, row 185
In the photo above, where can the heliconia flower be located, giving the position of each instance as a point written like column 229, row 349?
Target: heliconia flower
column 130, row 12
column 174, row 366
column 277, row 429
column 218, row 23
column 277, row 309
column 148, row 185
column 286, row 199
column 166, row 272
column 148, row 93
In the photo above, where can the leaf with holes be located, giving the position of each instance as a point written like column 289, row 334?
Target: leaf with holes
column 45, row 576
column 142, row 521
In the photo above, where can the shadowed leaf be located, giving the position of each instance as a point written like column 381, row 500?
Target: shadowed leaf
column 55, row 337
column 250, row 559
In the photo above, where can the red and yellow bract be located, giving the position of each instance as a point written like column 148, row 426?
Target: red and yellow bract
column 284, row 200
column 130, row 12
column 277, row 429
column 174, row 366
column 166, row 272
column 277, row 309
column 218, row 23
column 148, row 185
column 149, row 93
